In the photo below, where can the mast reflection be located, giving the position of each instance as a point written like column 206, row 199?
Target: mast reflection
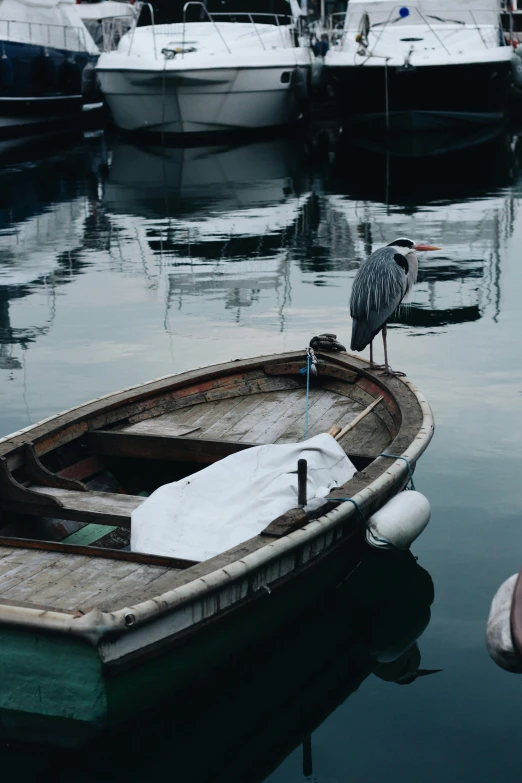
column 43, row 206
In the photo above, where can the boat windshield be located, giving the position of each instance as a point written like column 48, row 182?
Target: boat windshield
column 170, row 11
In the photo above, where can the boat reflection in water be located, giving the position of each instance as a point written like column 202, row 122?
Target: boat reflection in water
column 221, row 220
column 244, row 720
column 44, row 208
column 237, row 234
column 446, row 189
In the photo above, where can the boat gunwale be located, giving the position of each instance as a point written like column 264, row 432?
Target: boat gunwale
column 95, row 624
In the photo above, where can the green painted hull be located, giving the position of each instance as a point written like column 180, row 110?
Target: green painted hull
column 50, row 687
column 55, row 689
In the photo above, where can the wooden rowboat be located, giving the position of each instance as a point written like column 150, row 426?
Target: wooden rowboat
column 93, row 633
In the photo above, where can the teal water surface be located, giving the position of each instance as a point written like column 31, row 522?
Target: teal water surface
column 120, row 263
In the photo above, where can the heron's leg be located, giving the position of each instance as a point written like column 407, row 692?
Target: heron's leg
column 372, row 365
column 386, row 365
column 387, row 370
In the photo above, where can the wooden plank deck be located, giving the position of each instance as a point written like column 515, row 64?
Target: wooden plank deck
column 274, row 417
column 71, row 582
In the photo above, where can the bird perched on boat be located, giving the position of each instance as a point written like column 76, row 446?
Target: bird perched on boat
column 380, row 285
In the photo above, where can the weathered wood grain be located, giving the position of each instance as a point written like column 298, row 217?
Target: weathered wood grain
column 27, row 545
column 324, row 369
column 160, row 426
column 316, row 418
column 223, row 424
column 77, row 587
column 83, row 469
column 36, row 470
column 15, row 492
column 134, row 582
column 21, row 572
column 269, row 401
column 364, row 398
column 286, row 523
column 128, row 444
column 30, row 587
column 268, row 429
column 102, row 508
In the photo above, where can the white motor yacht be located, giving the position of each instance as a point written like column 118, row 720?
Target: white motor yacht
column 223, row 72
column 422, row 65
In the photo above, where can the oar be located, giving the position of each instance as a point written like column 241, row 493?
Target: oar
column 337, row 432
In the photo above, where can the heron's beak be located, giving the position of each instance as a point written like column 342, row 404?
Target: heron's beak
column 426, row 247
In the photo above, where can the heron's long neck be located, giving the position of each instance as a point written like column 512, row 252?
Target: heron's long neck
column 413, row 269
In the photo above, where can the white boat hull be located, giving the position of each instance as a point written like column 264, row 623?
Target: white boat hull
column 202, row 101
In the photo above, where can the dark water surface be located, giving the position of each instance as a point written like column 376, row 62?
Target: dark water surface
column 120, row 263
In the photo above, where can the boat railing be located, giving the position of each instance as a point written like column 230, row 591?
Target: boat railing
column 335, row 25
column 205, row 11
column 283, row 22
column 488, row 28
column 153, row 27
column 41, row 34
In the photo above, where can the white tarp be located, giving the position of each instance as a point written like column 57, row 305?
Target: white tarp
column 235, row 498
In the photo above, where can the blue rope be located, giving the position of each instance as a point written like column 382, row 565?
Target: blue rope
column 308, row 362
column 355, row 503
column 306, row 370
column 350, row 500
column 406, row 460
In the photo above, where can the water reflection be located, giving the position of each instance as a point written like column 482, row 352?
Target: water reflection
column 44, row 206
column 241, row 723
column 221, row 221
column 454, row 197
column 228, row 233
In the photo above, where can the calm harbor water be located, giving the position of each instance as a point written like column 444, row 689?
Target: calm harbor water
column 120, row 263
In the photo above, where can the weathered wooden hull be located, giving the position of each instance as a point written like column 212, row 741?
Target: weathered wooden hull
column 72, row 667
column 107, row 699
column 83, row 696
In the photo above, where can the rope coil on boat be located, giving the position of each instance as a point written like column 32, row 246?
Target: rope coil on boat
column 325, row 342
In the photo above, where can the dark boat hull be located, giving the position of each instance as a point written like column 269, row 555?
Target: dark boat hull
column 427, row 98
column 40, row 88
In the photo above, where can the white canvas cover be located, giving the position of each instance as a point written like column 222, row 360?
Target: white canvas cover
column 235, row 498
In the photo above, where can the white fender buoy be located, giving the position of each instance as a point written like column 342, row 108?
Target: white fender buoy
column 498, row 631
column 400, row 521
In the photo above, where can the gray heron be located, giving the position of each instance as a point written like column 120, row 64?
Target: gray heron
column 380, row 285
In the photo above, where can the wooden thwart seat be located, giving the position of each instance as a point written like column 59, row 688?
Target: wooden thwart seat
column 163, row 447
